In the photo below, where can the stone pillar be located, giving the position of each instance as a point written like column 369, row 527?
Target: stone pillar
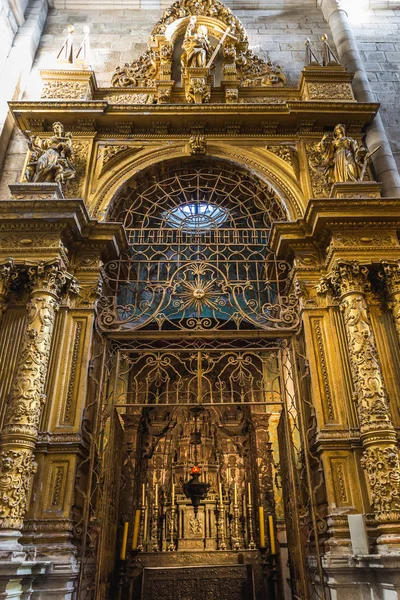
column 391, row 275
column 24, row 404
column 349, row 55
column 380, row 459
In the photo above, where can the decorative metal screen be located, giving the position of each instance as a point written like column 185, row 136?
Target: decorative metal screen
column 199, row 375
column 199, row 256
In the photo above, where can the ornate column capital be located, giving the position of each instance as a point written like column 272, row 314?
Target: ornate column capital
column 346, row 277
column 51, row 278
column 7, row 275
column 390, row 275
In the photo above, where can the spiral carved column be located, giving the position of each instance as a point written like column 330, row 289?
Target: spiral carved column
column 47, row 281
column 349, row 281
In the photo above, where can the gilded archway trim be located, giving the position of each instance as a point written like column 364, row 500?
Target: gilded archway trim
column 275, row 173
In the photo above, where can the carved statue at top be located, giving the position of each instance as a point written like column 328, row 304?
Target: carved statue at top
column 51, row 159
column 343, row 159
column 154, row 68
column 196, row 46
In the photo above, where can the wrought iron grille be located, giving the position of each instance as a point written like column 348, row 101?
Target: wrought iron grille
column 206, row 377
column 199, row 256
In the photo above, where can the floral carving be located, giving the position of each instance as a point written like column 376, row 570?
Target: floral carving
column 74, row 187
column 383, row 468
column 17, row 468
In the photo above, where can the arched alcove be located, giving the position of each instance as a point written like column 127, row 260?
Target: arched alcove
column 199, row 258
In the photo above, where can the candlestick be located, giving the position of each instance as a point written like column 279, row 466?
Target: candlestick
column 154, row 529
column 221, row 528
column 252, row 545
column 262, row 526
column 236, row 538
column 272, row 534
column 136, row 530
column 172, row 547
column 124, row 541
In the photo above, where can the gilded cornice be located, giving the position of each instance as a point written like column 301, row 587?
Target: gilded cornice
column 138, row 117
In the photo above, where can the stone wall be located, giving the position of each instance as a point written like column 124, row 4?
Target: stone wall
column 378, row 38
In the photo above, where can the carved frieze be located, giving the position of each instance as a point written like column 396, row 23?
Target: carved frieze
column 65, row 90
column 330, row 91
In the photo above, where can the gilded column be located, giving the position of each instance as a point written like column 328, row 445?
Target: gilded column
column 24, row 404
column 381, row 456
column 391, row 276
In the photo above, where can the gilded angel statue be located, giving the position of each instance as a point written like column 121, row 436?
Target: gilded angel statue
column 343, row 159
column 51, row 159
column 196, row 46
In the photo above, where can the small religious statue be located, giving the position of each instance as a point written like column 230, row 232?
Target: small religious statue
column 343, row 159
column 51, row 159
column 196, row 46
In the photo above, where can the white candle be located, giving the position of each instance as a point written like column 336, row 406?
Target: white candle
column 249, row 489
column 235, row 494
column 156, row 496
column 173, row 495
column 143, row 494
column 221, row 501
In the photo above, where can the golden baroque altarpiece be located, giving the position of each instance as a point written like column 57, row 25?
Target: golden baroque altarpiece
column 197, row 272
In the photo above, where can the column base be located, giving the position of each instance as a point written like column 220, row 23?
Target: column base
column 363, row 577
column 9, row 541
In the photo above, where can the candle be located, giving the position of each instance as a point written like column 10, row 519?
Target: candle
column 221, row 501
column 136, row 530
column 124, row 541
column 272, row 534
column 143, row 494
column 156, row 496
column 173, row 495
column 249, row 493
column 235, row 494
column 262, row 527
